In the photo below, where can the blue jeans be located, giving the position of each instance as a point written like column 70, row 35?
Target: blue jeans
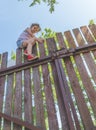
column 19, row 43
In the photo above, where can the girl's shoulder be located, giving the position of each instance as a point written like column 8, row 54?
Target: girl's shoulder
column 26, row 30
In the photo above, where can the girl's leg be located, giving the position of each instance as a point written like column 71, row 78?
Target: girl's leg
column 30, row 44
column 29, row 48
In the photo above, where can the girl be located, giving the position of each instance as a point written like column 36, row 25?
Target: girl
column 27, row 39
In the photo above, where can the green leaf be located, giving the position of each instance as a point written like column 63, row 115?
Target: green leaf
column 91, row 22
column 50, row 3
column 13, row 55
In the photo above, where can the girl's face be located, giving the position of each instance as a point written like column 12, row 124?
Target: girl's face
column 35, row 29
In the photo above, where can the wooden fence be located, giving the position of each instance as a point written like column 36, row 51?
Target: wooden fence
column 55, row 92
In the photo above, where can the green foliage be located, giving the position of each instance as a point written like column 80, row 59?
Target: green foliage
column 48, row 33
column 50, row 3
column 13, row 55
column 0, row 61
column 92, row 21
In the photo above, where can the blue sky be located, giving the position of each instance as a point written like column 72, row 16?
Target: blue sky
column 15, row 16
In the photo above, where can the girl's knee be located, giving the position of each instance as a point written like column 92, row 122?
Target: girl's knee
column 32, row 40
column 24, row 44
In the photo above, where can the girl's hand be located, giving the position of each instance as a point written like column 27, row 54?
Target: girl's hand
column 41, row 40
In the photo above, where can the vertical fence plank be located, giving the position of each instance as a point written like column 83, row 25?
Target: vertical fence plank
column 87, row 34
column 18, row 91
column 91, row 65
column 61, row 40
column 27, row 97
column 74, row 114
column 63, row 115
column 79, row 37
column 93, row 29
column 65, row 100
column 88, row 37
column 52, row 119
column 2, row 80
column 0, row 61
column 8, row 102
column 49, row 100
column 70, row 39
column 4, row 60
column 38, row 99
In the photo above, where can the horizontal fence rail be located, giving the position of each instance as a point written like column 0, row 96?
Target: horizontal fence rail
column 62, row 53
column 55, row 92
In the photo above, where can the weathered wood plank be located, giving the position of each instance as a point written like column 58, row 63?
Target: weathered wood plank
column 88, row 37
column 93, row 29
column 79, row 37
column 2, row 80
column 27, row 96
column 0, row 61
column 52, row 119
column 61, row 40
column 39, row 106
column 91, row 65
column 87, row 34
column 4, row 60
column 63, row 115
column 8, row 101
column 74, row 114
column 64, row 95
column 18, row 91
column 49, row 100
column 40, row 121
column 70, row 39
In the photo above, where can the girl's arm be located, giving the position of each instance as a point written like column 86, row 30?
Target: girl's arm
column 40, row 40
